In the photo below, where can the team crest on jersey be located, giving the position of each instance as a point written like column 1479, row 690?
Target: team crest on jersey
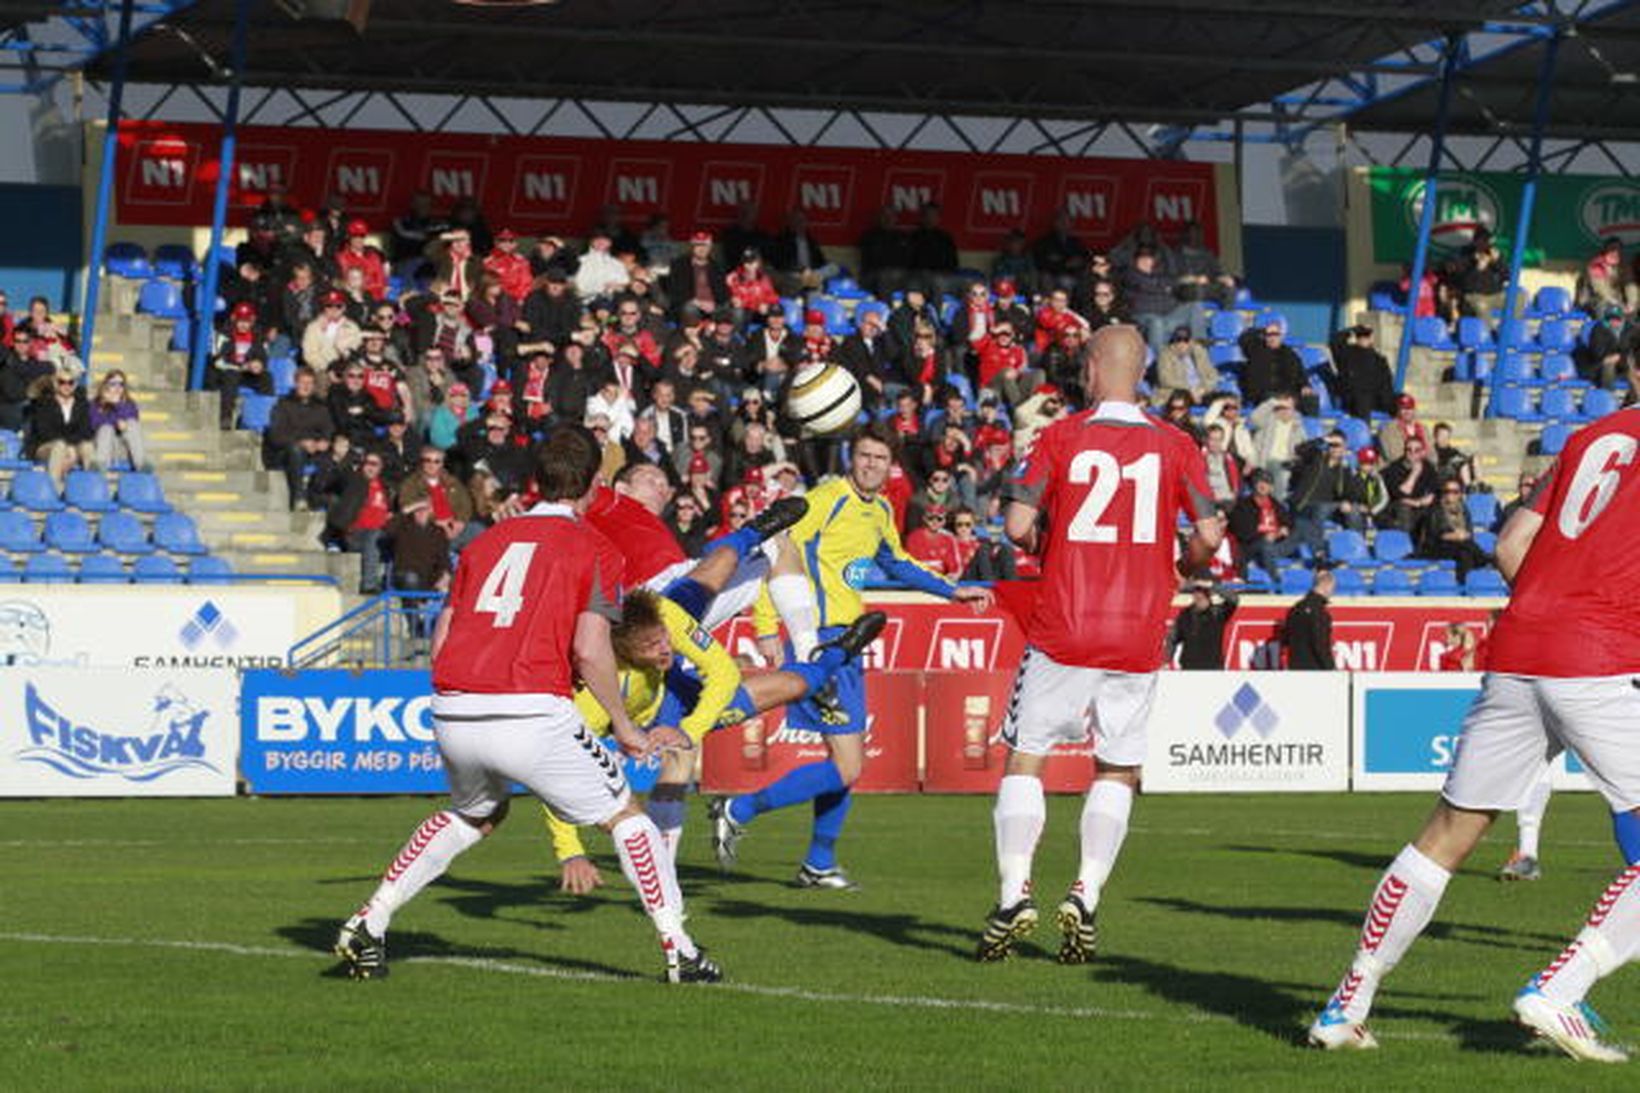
column 857, row 572
column 700, row 637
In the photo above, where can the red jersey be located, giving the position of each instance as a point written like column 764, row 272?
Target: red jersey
column 1112, row 482
column 1575, row 608
column 517, row 595
column 647, row 544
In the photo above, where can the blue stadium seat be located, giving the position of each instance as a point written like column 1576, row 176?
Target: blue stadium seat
column 103, row 569
column 1346, row 546
column 794, row 312
column 283, row 371
column 1556, row 336
column 175, row 532
column 1357, row 433
column 176, row 261
column 18, row 534
column 1473, row 334
column 127, row 260
column 1391, row 582
column 865, row 306
column 1439, row 582
column 1514, row 334
column 33, row 489
column 1515, row 368
column 1385, row 296
column 1554, row 438
column 155, row 569
column 837, row 321
column 844, row 287
column 1487, row 541
column 8, row 570
column 209, row 569
column 88, row 492
column 1225, row 356
column 1559, row 368
column 1598, row 403
column 163, row 299
column 1485, row 582
column 1224, row 326
column 182, row 338
column 1432, row 333
column 124, row 534
column 1296, row 581
column 70, row 533
column 256, row 411
column 1315, row 357
column 1258, row 578
column 1513, row 402
column 1392, row 545
column 140, row 491
column 44, row 568
column 1483, row 509
column 1559, row 403
column 11, row 451
column 1350, row 582
column 1552, row 300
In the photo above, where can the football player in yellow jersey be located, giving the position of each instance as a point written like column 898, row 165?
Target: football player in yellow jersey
column 848, row 528
column 681, row 684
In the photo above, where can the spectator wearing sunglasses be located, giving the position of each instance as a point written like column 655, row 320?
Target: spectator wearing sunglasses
column 60, row 423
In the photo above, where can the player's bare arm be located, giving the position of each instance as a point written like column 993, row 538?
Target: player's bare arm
column 1205, row 538
column 1515, row 540
column 1021, row 524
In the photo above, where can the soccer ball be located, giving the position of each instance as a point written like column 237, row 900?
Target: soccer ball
column 824, row 399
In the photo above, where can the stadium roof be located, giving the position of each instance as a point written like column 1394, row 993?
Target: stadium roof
column 1179, row 63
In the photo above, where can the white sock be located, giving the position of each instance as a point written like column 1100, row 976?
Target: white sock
column 793, row 598
column 670, row 838
column 1020, row 813
column 1609, row 939
column 422, row 860
column 648, row 865
column 1402, row 906
column 1104, row 827
column 1529, row 818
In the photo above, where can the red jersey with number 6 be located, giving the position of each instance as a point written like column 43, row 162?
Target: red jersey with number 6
column 1575, row 607
column 647, row 544
column 517, row 594
column 1112, row 482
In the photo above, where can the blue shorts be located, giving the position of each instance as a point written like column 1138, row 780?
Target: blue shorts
column 683, row 695
column 850, row 682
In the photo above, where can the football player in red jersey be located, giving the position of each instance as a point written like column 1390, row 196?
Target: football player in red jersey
column 1563, row 671
column 529, row 613
column 1099, row 498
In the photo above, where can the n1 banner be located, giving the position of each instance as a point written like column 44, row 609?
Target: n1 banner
column 88, row 732
column 1575, row 212
column 1244, row 732
column 541, row 185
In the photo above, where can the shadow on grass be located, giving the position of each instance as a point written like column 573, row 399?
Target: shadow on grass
column 1468, row 933
column 320, row 933
column 904, row 930
column 1355, row 859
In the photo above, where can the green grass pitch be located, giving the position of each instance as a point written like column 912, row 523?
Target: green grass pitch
column 182, row 944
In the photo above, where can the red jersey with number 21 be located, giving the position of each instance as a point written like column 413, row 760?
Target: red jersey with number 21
column 517, row 594
column 1575, row 608
column 1112, row 482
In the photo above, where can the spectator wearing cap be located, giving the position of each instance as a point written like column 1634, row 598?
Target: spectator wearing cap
column 875, row 358
column 250, row 284
column 331, row 337
column 116, row 424
column 934, row 253
column 885, row 255
column 449, row 416
column 773, row 351
column 510, row 267
column 1604, row 281
column 261, row 246
column 1367, row 488
column 695, row 278
column 1183, row 365
column 938, row 490
column 1060, row 256
column 751, row 289
column 1364, row 384
column 298, row 432
column 357, row 519
column 1008, row 303
column 397, row 449
column 932, row 544
column 799, row 263
column 1014, row 262
column 299, row 302
column 530, row 380
column 59, row 423
column 818, row 346
column 1065, row 359
column 239, row 361
column 360, row 255
column 551, row 311
column 1273, row 367
column 1394, row 434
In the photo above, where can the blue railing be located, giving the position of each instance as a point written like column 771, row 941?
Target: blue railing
column 392, row 630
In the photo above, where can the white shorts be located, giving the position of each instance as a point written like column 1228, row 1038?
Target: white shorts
column 737, row 596
column 1055, row 703
column 1519, row 723
column 550, row 752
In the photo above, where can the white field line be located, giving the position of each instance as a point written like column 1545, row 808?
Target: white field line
column 798, row 994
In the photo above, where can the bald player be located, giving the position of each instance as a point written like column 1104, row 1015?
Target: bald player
column 1099, row 498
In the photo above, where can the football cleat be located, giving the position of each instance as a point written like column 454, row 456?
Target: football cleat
column 857, row 636
column 1573, row 1029
column 779, row 516
column 364, row 954
column 1332, row 1031
column 1521, row 867
column 1003, row 927
column 699, row 968
column 726, row 833
column 834, row 878
column 1079, row 930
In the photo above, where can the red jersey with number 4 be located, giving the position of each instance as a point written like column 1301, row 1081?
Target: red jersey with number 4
column 647, row 544
column 1575, row 607
column 1112, row 482
column 518, row 592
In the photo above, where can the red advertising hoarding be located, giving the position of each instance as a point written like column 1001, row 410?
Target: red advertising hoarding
column 556, row 184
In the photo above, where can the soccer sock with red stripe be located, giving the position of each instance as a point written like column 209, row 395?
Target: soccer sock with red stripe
column 1104, row 827
column 1020, row 813
column 1402, row 906
column 422, row 860
column 1609, row 939
column 649, row 867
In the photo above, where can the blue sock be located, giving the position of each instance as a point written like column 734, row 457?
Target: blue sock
column 1626, row 829
column 819, row 671
column 830, row 810
column 745, row 542
column 691, row 595
column 805, row 783
column 667, row 812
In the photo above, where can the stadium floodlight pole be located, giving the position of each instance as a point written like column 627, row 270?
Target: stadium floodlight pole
column 1534, row 168
column 1426, row 219
column 105, row 192
column 205, row 301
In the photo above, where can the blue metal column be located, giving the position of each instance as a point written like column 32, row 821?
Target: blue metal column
column 1426, row 221
column 1534, row 168
column 105, row 191
column 205, row 301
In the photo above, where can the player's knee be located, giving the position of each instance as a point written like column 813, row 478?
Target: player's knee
column 487, row 824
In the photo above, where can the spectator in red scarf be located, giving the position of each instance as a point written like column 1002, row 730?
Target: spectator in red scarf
column 510, row 268
column 628, row 329
column 51, row 341
column 817, row 344
column 359, row 254
column 923, row 362
column 1224, row 470
column 358, row 518
column 530, row 382
column 751, row 290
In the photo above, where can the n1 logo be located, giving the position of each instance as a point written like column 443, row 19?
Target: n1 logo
column 964, row 645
